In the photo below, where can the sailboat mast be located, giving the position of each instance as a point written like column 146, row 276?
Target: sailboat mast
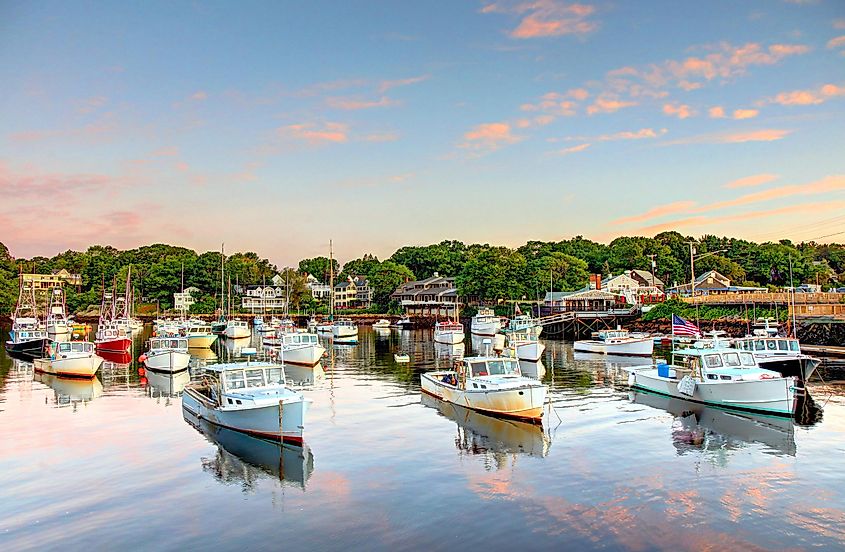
column 331, row 282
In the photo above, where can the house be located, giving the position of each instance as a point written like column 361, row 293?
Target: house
column 633, row 288
column 363, row 293
column 433, row 296
column 263, row 298
column 182, row 300
column 585, row 300
column 319, row 291
column 57, row 278
column 646, row 278
column 712, row 282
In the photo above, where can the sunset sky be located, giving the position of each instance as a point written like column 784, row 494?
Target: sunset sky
column 276, row 126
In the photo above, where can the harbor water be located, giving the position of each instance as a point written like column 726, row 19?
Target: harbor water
column 113, row 463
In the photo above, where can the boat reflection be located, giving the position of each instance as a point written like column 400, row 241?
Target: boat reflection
column 70, row 392
column 123, row 357
column 116, row 375
column 700, row 427
column 203, row 353
column 613, row 361
column 303, row 375
column 166, row 384
column 481, row 434
column 536, row 370
column 244, row 460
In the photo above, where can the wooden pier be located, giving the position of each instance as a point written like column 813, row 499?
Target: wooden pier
column 577, row 324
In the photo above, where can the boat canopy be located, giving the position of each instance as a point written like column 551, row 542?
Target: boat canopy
column 75, row 347
column 480, row 366
column 770, row 344
column 168, row 343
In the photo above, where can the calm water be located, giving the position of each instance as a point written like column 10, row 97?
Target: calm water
column 112, row 463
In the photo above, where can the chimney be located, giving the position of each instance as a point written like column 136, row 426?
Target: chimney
column 595, row 281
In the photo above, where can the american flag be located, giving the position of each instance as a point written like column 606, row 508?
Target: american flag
column 683, row 327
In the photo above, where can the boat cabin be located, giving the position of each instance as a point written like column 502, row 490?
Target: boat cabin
column 609, row 335
column 721, row 365
column 238, row 324
column 76, row 347
column 477, row 367
column 243, row 378
column 199, row 330
column 449, row 326
column 769, row 345
column 300, row 339
column 168, row 343
column 344, row 322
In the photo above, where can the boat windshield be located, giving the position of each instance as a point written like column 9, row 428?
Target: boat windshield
column 793, row 345
column 498, row 367
column 75, row 346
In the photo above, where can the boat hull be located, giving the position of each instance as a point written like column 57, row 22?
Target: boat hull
column 114, row 345
column 167, row 361
column 79, row 367
column 801, row 367
column 236, row 332
column 531, row 351
column 775, row 396
column 262, row 421
column 201, row 341
column 448, row 337
column 303, row 356
column 519, row 403
column 31, row 347
column 485, row 329
column 634, row 347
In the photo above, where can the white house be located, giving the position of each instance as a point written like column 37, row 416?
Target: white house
column 318, row 290
column 263, row 298
column 182, row 300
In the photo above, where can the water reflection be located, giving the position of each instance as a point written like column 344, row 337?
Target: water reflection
column 536, row 370
column 485, row 435
column 303, row 375
column 166, row 384
column 70, row 392
column 244, row 460
column 698, row 427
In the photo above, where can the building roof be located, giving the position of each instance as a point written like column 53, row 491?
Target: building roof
column 647, row 276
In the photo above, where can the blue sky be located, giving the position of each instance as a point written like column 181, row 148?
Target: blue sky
column 276, row 126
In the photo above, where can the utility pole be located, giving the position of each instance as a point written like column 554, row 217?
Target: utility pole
column 692, row 268
column 653, row 267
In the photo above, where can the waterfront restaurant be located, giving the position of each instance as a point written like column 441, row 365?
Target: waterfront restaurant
column 581, row 301
column 434, row 296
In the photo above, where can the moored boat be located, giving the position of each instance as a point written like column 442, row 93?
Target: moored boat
column 616, row 342
column 719, row 376
column 26, row 337
column 383, row 323
column 492, row 385
column 297, row 348
column 781, row 354
column 249, row 397
column 485, row 323
column 448, row 332
column 345, row 331
column 57, row 322
column 199, row 335
column 523, row 344
column 236, row 329
column 112, row 338
column 70, row 359
column 167, row 354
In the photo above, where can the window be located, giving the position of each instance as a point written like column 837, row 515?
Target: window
column 254, row 378
column 783, row 345
column 497, row 367
column 478, row 369
column 747, row 359
column 731, row 359
column 770, row 345
column 712, row 361
column 235, row 380
column 793, row 346
column 275, row 376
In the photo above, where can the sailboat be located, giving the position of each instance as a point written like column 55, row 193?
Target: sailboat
column 26, row 336
column 57, row 323
column 219, row 327
column 327, row 326
column 123, row 311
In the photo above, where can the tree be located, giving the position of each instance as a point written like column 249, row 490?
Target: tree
column 384, row 280
column 447, row 258
column 560, row 271
column 319, row 268
column 363, row 266
column 492, row 274
column 8, row 281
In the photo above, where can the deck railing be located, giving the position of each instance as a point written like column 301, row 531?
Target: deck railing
column 783, row 298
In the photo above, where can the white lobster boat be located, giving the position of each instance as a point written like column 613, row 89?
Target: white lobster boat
column 252, row 398
column 781, row 354
column 485, row 323
column 345, row 331
column 167, row 354
column 298, row 348
column 492, row 385
column 237, row 329
column 199, row 335
column 383, row 323
column 449, row 333
column 722, row 377
column 616, row 342
column 70, row 359
column 523, row 344
column 525, row 322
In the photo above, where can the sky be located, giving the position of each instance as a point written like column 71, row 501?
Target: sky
column 277, row 126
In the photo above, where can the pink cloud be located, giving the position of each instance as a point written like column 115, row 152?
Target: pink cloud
column 579, row 94
column 352, row 104
column 764, row 135
column 837, row 42
column 89, row 105
column 807, row 97
column 182, row 166
column 753, row 180
column 169, row 151
column 681, row 111
column 315, row 134
column 643, row 133
column 745, row 113
column 101, row 130
column 574, row 149
column 658, row 211
column 386, row 85
column 834, row 183
column 199, row 95
column 546, row 18
column 32, row 183
column 608, row 104
column 489, row 137
column 717, row 112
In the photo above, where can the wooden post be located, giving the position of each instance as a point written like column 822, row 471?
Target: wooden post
column 281, row 419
